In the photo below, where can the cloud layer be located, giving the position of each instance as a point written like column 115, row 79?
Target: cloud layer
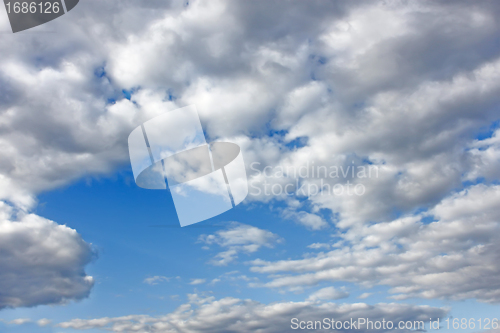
column 454, row 256
column 407, row 88
column 207, row 314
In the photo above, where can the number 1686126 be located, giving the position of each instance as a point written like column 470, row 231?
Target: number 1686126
column 33, row 7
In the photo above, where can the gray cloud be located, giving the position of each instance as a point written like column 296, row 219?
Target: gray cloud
column 42, row 262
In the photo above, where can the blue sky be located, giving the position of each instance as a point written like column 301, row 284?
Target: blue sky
column 410, row 90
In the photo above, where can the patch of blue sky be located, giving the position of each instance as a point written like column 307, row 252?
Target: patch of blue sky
column 100, row 72
column 488, row 131
column 137, row 235
column 297, row 143
column 128, row 93
column 170, row 96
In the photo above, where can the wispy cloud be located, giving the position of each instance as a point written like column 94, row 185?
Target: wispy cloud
column 20, row 321
column 43, row 322
column 452, row 257
column 365, row 295
column 328, row 293
column 156, row 279
column 238, row 238
column 317, row 246
column 197, row 281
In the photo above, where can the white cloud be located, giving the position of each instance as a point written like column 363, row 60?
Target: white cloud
column 234, row 277
column 365, row 295
column 237, row 315
column 156, row 279
column 236, row 238
column 317, row 246
column 311, row 221
column 20, row 321
column 89, row 140
column 44, row 322
column 328, row 293
column 197, row 281
column 485, row 158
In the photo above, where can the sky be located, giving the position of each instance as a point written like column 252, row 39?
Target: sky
column 371, row 141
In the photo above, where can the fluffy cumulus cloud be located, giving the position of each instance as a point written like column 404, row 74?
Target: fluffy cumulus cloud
column 238, row 238
column 207, row 314
column 362, row 82
column 376, row 103
column 358, row 81
column 42, row 262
